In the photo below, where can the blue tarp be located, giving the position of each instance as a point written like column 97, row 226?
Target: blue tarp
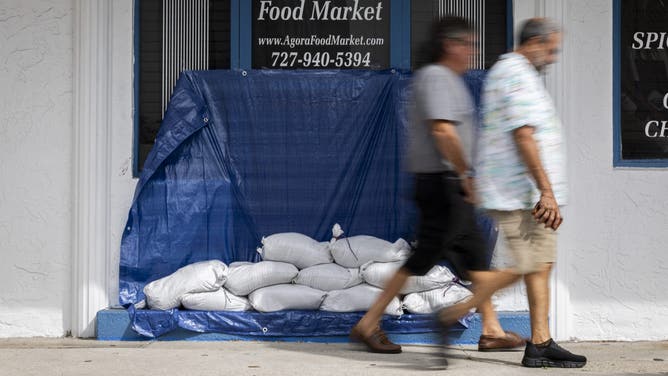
column 153, row 324
column 242, row 155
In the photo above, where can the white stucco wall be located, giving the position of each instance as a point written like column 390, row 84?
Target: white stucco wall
column 618, row 267
column 35, row 166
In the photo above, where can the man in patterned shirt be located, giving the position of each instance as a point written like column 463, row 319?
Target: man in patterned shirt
column 521, row 177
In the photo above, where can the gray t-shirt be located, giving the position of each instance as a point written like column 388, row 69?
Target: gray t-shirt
column 438, row 94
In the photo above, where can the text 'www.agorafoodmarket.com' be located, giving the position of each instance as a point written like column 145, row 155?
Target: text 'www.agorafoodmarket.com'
column 314, row 40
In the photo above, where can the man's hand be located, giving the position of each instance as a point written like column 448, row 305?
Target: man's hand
column 469, row 190
column 547, row 211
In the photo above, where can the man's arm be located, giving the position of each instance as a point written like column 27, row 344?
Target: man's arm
column 547, row 210
column 450, row 146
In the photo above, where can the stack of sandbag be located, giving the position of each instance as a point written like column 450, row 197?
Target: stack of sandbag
column 295, row 251
column 242, row 279
column 353, row 252
column 437, row 289
column 200, row 277
column 328, row 275
column 299, row 273
column 269, row 287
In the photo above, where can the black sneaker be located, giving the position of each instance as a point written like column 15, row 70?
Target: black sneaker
column 552, row 355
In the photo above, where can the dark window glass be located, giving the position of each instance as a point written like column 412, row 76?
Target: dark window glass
column 494, row 38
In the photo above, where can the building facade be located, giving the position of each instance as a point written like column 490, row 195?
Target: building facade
column 68, row 152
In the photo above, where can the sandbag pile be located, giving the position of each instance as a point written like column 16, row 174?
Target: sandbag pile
column 168, row 292
column 299, row 273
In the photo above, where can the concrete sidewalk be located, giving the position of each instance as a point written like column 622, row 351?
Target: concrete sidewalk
column 90, row 357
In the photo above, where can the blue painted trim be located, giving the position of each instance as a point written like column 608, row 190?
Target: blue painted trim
column 617, row 160
column 234, row 34
column 115, row 325
column 616, row 82
column 644, row 163
column 395, row 33
column 510, row 26
column 400, row 34
column 407, row 35
column 135, row 89
column 245, row 34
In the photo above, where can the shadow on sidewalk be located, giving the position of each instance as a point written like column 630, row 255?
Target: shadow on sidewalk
column 413, row 357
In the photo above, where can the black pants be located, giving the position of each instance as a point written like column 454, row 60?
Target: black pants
column 447, row 228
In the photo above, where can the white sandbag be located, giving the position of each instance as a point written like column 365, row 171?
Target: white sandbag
column 220, row 300
column 166, row 293
column 433, row 300
column 246, row 277
column 355, row 251
column 358, row 298
column 378, row 273
column 283, row 297
column 328, row 277
column 297, row 249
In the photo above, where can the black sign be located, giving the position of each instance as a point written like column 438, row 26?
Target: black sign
column 644, row 79
column 321, row 34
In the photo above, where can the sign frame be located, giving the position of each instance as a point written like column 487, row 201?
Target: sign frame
column 241, row 34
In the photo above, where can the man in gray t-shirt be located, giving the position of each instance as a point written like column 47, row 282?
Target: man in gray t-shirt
column 439, row 155
column 438, row 94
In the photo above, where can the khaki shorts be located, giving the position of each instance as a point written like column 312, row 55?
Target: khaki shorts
column 529, row 242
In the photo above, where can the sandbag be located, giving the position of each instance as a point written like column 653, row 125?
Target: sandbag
column 246, row 277
column 355, row 251
column 166, row 292
column 297, row 249
column 358, row 298
column 433, row 300
column 283, row 297
column 220, row 300
column 328, row 277
column 378, row 273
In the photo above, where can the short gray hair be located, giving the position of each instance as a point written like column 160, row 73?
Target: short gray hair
column 537, row 27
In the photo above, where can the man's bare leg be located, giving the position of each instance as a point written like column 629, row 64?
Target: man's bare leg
column 371, row 319
column 490, row 321
column 538, row 293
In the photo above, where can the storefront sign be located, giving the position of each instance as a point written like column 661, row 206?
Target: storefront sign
column 644, row 80
column 321, row 34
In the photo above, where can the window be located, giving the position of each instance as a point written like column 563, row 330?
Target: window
column 171, row 36
column 491, row 19
column 640, row 83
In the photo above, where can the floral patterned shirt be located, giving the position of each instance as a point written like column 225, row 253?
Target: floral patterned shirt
column 514, row 96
